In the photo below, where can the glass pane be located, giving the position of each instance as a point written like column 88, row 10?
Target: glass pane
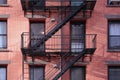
column 77, row 47
column 77, row 73
column 114, row 29
column 3, row 27
column 114, row 42
column 114, row 35
column 37, row 28
column 3, row 41
column 37, row 73
column 114, row 73
column 76, row 2
column 3, row 73
column 3, row 1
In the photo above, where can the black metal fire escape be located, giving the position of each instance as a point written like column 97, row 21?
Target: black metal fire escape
column 32, row 6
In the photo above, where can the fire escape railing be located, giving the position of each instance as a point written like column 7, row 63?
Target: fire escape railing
column 43, row 5
column 34, row 3
column 57, row 27
column 60, row 43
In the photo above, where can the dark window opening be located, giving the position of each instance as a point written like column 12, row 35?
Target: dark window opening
column 77, row 73
column 36, row 73
column 37, row 33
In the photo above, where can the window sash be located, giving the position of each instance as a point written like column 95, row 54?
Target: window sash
column 78, row 73
column 3, row 41
column 3, row 73
column 114, row 73
column 3, row 34
column 114, row 35
column 114, row 42
column 76, row 2
column 3, row 1
column 37, row 33
column 36, row 73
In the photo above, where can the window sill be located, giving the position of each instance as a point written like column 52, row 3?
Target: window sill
column 4, row 50
column 4, row 5
column 113, row 50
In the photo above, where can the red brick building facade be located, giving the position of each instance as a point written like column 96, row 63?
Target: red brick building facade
column 31, row 48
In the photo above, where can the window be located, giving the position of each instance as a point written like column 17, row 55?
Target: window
column 38, row 4
column 3, row 34
column 76, row 2
column 114, row 2
column 36, row 73
column 3, row 1
column 3, row 73
column 114, row 35
column 37, row 33
column 77, row 73
column 114, row 73
column 77, row 36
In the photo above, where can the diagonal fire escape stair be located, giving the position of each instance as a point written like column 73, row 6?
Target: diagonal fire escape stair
column 72, row 61
column 59, row 26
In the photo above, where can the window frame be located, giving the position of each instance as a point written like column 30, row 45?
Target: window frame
column 4, row 66
column 83, row 69
column 109, row 22
column 4, row 34
column 84, row 31
column 37, row 22
column 36, row 66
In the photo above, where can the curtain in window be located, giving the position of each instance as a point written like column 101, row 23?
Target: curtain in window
column 3, row 34
column 37, row 73
column 77, row 73
column 114, row 73
column 114, row 35
column 77, row 47
column 3, row 73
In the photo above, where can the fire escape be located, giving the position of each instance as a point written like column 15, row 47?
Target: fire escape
column 56, row 45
